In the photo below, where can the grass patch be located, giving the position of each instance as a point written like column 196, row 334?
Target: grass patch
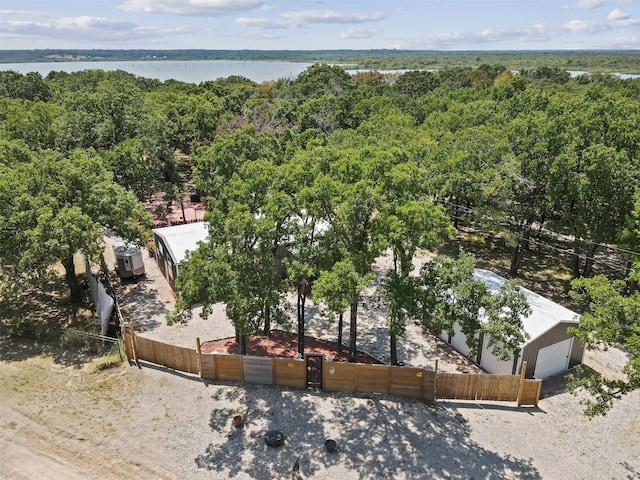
column 111, row 359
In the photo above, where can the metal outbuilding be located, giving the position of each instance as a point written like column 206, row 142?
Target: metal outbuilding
column 550, row 348
column 172, row 244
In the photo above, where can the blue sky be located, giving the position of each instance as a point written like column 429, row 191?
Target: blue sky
column 320, row 24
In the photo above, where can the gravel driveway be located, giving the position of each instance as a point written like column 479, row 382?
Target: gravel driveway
column 381, row 436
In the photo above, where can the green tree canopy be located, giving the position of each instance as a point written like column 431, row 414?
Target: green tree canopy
column 319, row 80
column 56, row 206
column 611, row 320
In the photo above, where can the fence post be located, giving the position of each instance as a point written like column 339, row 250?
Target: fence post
column 435, row 382
column 127, row 335
column 133, row 343
column 273, row 371
column 521, row 385
column 123, row 330
column 199, row 356
column 355, row 377
column 538, row 393
column 125, row 340
column 118, row 345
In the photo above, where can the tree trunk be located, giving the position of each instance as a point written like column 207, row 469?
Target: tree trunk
column 588, row 263
column 517, row 255
column 518, row 252
column 575, row 259
column 353, row 315
column 267, row 320
column 243, row 344
column 393, row 344
column 72, row 280
column 632, row 285
column 455, row 216
column 301, row 301
column 340, row 322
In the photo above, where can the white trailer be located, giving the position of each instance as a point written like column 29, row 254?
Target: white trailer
column 129, row 263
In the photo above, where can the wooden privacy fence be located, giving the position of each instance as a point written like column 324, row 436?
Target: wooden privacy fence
column 335, row 376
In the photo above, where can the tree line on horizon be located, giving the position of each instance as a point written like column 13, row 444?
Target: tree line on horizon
column 338, row 169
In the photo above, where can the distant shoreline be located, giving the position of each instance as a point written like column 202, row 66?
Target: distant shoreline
column 596, row 61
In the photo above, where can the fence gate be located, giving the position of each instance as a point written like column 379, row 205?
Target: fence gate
column 314, row 369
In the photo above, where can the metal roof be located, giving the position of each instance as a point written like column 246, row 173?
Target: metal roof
column 182, row 238
column 125, row 249
column 545, row 313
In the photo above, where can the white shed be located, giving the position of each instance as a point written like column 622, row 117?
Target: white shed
column 550, row 349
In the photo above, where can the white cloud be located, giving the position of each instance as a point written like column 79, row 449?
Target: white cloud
column 87, row 28
column 617, row 15
column 589, row 3
column 585, row 4
column 80, row 25
column 211, row 8
column 531, row 33
column 93, row 23
column 585, row 26
column 629, row 22
column 264, row 22
column 630, row 42
column 298, row 19
column 534, row 33
column 332, row 16
column 23, row 13
column 359, row 33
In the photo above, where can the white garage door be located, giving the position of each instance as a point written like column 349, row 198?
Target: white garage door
column 553, row 359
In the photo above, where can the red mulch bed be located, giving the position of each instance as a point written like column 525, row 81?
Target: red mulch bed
column 283, row 344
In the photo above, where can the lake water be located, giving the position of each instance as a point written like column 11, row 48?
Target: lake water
column 621, row 76
column 191, row 71
column 195, row 71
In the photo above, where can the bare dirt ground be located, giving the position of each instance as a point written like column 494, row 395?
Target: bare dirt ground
column 280, row 343
column 60, row 419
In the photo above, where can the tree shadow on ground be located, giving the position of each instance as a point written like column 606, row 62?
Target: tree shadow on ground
column 419, row 350
column 433, row 348
column 38, row 313
column 632, row 473
column 378, row 436
column 19, row 349
column 177, row 373
column 38, row 322
column 474, row 405
column 139, row 302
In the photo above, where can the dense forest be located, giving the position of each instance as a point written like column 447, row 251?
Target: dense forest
column 337, row 169
column 600, row 61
